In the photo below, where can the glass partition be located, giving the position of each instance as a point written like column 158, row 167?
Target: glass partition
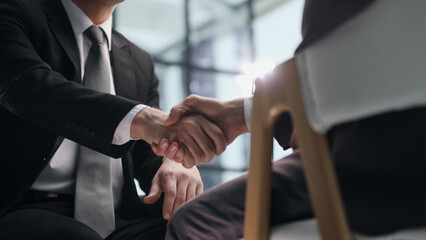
column 213, row 48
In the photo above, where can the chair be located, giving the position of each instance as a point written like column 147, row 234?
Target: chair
column 269, row 102
column 330, row 221
column 314, row 109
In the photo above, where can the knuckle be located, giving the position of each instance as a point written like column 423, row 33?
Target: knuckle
column 191, row 100
column 187, row 123
column 180, row 198
column 167, row 174
column 170, row 192
column 184, row 177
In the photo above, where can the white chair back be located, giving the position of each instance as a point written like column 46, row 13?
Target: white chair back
column 374, row 63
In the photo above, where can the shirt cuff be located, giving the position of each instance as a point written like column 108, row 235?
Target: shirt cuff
column 248, row 105
column 122, row 132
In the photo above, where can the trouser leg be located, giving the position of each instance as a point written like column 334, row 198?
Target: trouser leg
column 31, row 223
column 219, row 212
column 53, row 220
column 146, row 228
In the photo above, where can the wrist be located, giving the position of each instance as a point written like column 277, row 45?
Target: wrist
column 237, row 110
column 137, row 126
column 148, row 125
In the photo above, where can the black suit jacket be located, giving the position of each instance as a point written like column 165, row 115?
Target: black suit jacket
column 43, row 102
column 322, row 16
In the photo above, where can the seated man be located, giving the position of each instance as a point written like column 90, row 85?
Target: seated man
column 379, row 161
column 73, row 101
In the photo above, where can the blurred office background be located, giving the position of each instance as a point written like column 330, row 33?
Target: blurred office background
column 213, row 48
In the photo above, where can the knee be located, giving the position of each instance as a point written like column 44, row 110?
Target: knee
column 179, row 223
column 181, row 216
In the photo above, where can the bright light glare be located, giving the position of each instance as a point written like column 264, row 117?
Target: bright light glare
column 259, row 68
column 252, row 71
column 245, row 84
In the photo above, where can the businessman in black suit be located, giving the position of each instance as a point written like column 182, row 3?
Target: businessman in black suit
column 379, row 160
column 47, row 116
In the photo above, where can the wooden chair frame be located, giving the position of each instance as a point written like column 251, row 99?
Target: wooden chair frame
column 274, row 94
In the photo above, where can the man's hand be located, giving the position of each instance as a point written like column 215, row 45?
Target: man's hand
column 179, row 185
column 228, row 115
column 196, row 138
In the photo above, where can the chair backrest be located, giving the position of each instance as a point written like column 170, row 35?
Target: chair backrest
column 358, row 70
column 372, row 64
column 277, row 93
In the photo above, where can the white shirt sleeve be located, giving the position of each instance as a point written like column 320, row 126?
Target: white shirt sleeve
column 248, row 105
column 122, row 132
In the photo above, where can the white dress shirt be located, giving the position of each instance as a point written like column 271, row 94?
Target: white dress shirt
column 59, row 174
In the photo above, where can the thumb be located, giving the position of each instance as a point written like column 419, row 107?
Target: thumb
column 154, row 193
column 155, row 149
column 175, row 114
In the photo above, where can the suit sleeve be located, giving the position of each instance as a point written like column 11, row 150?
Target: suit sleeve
column 145, row 162
column 31, row 90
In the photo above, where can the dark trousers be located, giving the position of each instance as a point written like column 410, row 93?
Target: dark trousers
column 381, row 166
column 219, row 212
column 52, row 220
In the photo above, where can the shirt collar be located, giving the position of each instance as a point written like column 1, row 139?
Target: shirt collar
column 80, row 21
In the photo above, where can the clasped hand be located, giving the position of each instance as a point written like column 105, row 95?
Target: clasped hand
column 227, row 116
column 194, row 139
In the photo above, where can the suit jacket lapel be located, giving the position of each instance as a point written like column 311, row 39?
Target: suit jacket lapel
column 62, row 29
column 123, row 68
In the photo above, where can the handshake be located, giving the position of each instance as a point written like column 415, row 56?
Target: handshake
column 195, row 130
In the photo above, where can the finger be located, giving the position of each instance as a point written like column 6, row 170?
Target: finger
column 180, row 154
column 156, row 149
column 191, row 192
column 187, row 159
column 192, row 149
column 154, row 193
column 200, row 189
column 171, row 150
column 188, row 165
column 169, row 188
column 198, row 145
column 176, row 113
column 189, row 104
column 201, row 146
column 164, row 144
column 182, row 188
column 160, row 149
column 216, row 135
